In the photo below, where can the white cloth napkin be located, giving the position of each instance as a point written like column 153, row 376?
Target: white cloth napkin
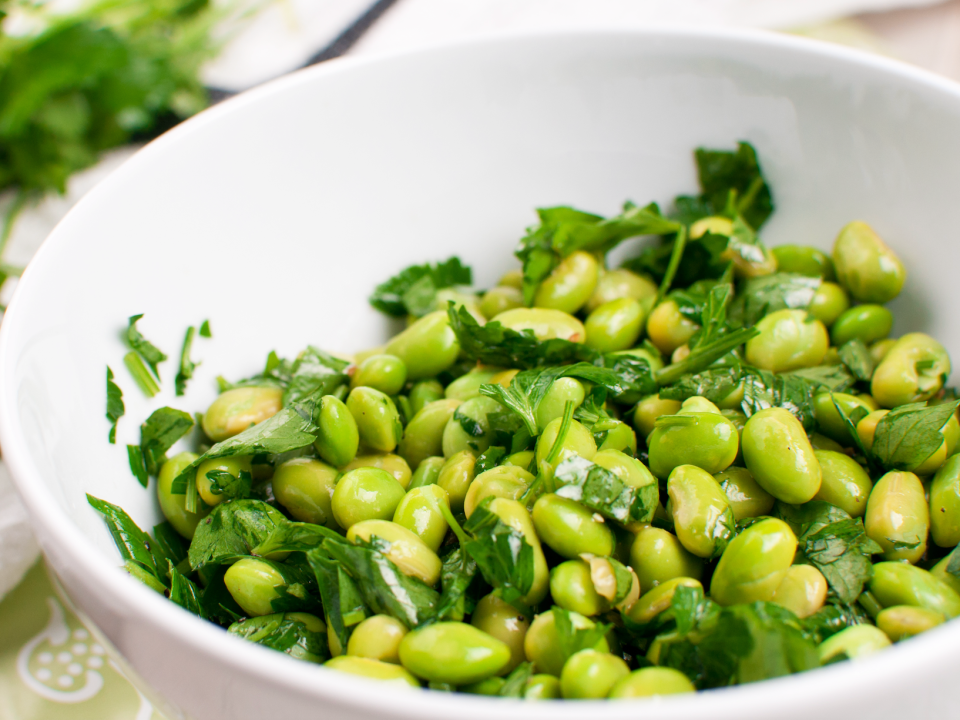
column 18, row 549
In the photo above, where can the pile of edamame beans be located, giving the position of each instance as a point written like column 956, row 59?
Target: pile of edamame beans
column 734, row 482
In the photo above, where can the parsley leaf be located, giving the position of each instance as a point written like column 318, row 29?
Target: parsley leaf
column 572, row 639
column 502, row 554
column 413, row 291
column 857, row 359
column 231, row 531
column 115, row 407
column 158, row 434
column 187, row 366
column 909, row 434
column 137, row 466
column 132, row 542
column 205, row 329
column 604, row 492
column 343, row 606
column 457, row 572
column 721, row 172
column 150, row 354
column 763, row 295
column 314, row 372
column 704, row 356
column 185, row 593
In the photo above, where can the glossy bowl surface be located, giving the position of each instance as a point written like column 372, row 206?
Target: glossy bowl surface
column 276, row 213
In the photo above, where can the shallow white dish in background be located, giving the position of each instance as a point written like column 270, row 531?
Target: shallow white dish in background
column 275, row 214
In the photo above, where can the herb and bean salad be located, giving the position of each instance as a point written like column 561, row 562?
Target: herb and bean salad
column 708, row 466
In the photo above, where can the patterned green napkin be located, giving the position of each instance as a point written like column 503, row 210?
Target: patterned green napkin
column 53, row 668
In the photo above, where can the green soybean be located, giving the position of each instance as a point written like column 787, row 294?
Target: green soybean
column 304, row 487
column 408, row 552
column 515, row 515
column 845, row 484
column 788, row 340
column 174, row 506
column 453, row 652
column 393, row 464
column 702, row 515
column 570, row 284
column 498, row 299
column 542, row 643
column 504, row 481
column 577, row 441
column 754, row 563
column 378, row 421
column 651, row 682
column 469, row 428
column 655, row 601
column 255, row 583
column 649, row 409
column 571, row 587
column 903, row 621
column 427, row 348
column 802, row 591
column 898, row 517
column 668, row 329
column 504, row 622
column 803, row 260
column 830, row 422
column 545, row 324
column 427, row 472
column 423, row 393
column 423, row 436
column 897, row 583
column 378, row 638
column 240, row 408
column 704, row 439
column 747, row 499
column 373, row 670
column 779, row 456
column 339, row 438
column 853, row 643
column 867, row 323
column 468, row 385
column 615, row 325
column 570, row 529
column 945, row 504
column 656, row 555
column 385, row 373
column 561, row 391
column 590, row 674
column 620, row 283
column 419, row 512
column 830, row 302
column 865, row 266
column 455, row 477
column 542, row 687
column 232, row 465
column 365, row 494
column 912, row 371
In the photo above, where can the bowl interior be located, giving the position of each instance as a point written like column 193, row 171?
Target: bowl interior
column 274, row 215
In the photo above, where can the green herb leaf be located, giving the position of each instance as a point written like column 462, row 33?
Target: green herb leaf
column 314, row 372
column 458, row 571
column 763, row 295
column 572, row 639
column 184, row 593
column 205, row 329
column 909, row 434
column 187, row 366
column 343, row 606
column 230, row 486
column 159, row 433
column 516, row 681
column 413, row 291
column 284, row 633
column 503, row 555
column 704, row 356
column 132, row 542
column 150, row 354
column 602, row 491
column 294, row 537
column 488, row 459
column 858, row 360
column 721, row 172
column 232, row 531
column 137, row 467
column 141, row 375
column 383, row 587
column 115, row 407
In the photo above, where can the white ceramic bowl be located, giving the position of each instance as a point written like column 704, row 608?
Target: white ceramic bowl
column 276, row 213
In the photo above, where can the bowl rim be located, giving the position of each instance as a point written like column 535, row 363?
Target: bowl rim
column 307, row 680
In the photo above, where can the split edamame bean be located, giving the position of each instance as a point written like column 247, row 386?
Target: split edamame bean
column 240, row 408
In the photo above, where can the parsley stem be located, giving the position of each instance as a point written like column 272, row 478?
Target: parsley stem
column 561, row 433
column 704, row 356
column 452, row 522
column 678, row 247
column 140, row 373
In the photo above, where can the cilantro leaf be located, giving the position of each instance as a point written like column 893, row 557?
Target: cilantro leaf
column 604, row 492
column 413, row 291
column 115, row 407
column 150, row 354
column 909, row 434
column 502, row 554
column 187, row 366
column 158, row 434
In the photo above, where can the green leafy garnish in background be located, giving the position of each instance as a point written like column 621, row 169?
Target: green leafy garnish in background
column 413, row 291
column 115, row 407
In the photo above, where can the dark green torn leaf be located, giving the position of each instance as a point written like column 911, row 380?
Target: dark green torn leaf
column 602, row 491
column 115, row 407
column 413, row 291
column 187, row 366
column 150, row 354
column 159, row 433
column 909, row 434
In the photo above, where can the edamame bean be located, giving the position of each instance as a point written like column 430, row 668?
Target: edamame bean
column 542, row 642
column 423, row 436
column 898, row 517
column 655, row 601
column 423, row 393
column 657, row 555
column 512, row 278
column 339, row 438
column 407, row 551
column 630, row 470
column 649, row 409
column 210, row 493
column 455, row 477
column 897, row 583
column 419, row 513
column 704, row 439
column 453, row 652
column 378, row 638
column 865, row 266
column 939, row 571
column 499, row 299
column 845, row 483
column 829, row 302
column 502, row 621
column 365, row 494
column 373, row 670
column 754, row 563
column 620, row 283
column 880, row 349
column 504, row 481
column 427, row 348
column 561, row 391
column 393, row 464
column 868, row 323
column 702, row 515
column 615, row 325
column 590, row 675
column 570, row 529
column 853, row 643
column 174, row 506
column 571, row 587
column 912, row 371
column 903, row 621
column 427, row 473
column 578, row 441
column 468, row 386
column 867, row 427
column 385, row 373
column 787, row 340
column 378, row 421
column 803, row 260
column 542, row 687
column 617, row 436
column 945, row 504
column 570, row 284
column 545, row 324
column 747, row 499
column 779, row 456
column 240, row 408
column 668, row 329
column 830, row 421
column 651, row 682
column 803, row 590
column 304, row 487
column 468, row 428
column 255, row 583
